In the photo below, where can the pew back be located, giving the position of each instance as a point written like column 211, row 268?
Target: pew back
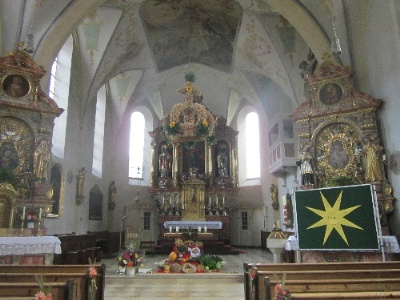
column 14, row 275
column 322, row 278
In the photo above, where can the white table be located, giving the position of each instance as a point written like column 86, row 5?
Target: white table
column 18, row 247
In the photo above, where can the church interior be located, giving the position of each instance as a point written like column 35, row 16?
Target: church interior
column 158, row 120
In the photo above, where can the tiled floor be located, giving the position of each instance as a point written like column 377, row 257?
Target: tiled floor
column 228, row 283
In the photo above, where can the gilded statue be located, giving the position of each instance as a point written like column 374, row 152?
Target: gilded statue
column 274, row 196
column 42, row 160
column 80, row 180
column 372, row 165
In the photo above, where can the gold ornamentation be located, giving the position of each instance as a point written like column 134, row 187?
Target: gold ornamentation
column 189, row 115
column 16, row 144
column 335, row 152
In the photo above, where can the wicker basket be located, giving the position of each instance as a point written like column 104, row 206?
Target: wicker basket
column 176, row 268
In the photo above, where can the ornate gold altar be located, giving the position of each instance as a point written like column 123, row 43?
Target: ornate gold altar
column 339, row 138
column 26, row 122
column 194, row 163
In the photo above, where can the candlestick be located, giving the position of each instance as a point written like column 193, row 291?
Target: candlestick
column 40, row 213
column 23, row 213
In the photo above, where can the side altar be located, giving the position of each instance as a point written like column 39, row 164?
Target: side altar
column 193, row 169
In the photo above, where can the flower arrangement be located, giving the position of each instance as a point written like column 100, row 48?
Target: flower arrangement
column 203, row 128
column 173, row 128
column 44, row 293
column 92, row 282
column 31, row 216
column 281, row 293
column 130, row 258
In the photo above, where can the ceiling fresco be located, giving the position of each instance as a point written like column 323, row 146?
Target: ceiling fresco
column 186, row 31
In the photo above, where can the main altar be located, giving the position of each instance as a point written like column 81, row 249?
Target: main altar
column 193, row 175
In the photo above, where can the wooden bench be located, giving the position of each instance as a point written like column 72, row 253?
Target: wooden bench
column 27, row 290
column 53, row 275
column 323, row 278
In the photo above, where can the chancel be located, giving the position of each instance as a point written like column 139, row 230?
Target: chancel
column 188, row 130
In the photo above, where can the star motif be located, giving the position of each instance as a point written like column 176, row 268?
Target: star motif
column 333, row 218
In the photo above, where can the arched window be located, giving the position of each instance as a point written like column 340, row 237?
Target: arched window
column 136, row 145
column 59, row 91
column 98, row 142
column 248, row 147
column 252, row 146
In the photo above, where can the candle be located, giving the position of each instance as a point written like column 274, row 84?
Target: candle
column 199, row 229
column 205, row 228
column 177, row 228
column 40, row 213
column 23, row 213
column 284, row 200
column 170, row 229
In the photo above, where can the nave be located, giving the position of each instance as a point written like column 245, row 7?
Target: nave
column 228, row 283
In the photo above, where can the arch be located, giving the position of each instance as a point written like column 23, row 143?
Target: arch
column 304, row 24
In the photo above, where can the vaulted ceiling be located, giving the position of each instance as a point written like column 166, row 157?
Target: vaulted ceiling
column 245, row 51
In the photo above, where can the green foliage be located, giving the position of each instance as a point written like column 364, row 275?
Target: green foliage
column 212, row 140
column 211, row 261
column 173, row 128
column 190, row 77
column 203, row 128
column 339, row 181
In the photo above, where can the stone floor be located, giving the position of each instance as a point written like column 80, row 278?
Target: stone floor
column 228, row 283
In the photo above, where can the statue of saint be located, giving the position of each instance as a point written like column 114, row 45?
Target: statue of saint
column 306, row 170
column 274, row 196
column 112, row 192
column 164, row 162
column 222, row 161
column 372, row 165
column 80, row 180
column 42, row 160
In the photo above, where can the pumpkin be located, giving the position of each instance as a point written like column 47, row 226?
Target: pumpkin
column 172, row 256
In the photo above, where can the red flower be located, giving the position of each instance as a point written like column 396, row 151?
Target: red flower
column 92, row 272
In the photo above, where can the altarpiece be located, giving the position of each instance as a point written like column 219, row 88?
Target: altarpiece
column 339, row 137
column 26, row 126
column 194, row 165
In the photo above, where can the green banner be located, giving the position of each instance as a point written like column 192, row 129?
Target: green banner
column 339, row 218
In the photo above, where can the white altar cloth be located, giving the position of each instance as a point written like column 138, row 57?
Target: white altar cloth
column 14, row 245
column 390, row 244
column 193, row 224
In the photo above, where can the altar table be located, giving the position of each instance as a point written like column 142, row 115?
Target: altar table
column 29, row 250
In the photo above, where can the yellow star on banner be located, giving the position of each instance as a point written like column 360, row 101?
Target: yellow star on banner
column 333, row 218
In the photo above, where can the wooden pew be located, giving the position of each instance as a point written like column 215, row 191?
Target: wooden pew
column 331, row 276
column 27, row 290
column 53, row 275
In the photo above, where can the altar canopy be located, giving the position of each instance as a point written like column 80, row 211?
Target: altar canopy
column 338, row 218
